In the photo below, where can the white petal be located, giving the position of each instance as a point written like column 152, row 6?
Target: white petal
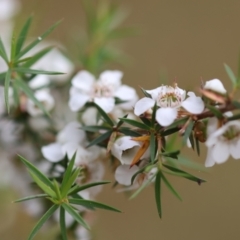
column 112, row 78
column 209, row 159
column 143, row 105
column 155, row 92
column 215, row 85
column 71, row 133
column 124, row 173
column 193, row 104
column 235, row 149
column 77, row 100
column 84, row 81
column 212, row 125
column 8, row 8
column 53, row 152
column 220, row 152
column 39, row 81
column 166, row 116
column 107, row 104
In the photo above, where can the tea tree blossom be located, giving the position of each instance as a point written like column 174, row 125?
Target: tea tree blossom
column 169, row 100
column 222, row 142
column 85, row 88
column 215, row 85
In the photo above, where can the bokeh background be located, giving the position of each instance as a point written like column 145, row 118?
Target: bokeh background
column 177, row 40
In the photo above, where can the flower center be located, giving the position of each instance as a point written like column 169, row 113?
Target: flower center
column 102, row 90
column 170, row 97
column 231, row 133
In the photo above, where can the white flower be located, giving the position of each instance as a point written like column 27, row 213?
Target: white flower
column 169, row 99
column 67, row 140
column 85, row 88
column 125, row 149
column 215, row 85
column 45, row 98
column 8, row 8
column 222, row 142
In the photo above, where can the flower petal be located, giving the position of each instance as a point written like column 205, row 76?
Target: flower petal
column 220, row 152
column 106, row 103
column 112, row 78
column 124, row 173
column 234, row 149
column 53, row 152
column 143, row 105
column 77, row 99
column 215, row 85
column 209, row 159
column 166, row 116
column 84, row 81
column 193, row 104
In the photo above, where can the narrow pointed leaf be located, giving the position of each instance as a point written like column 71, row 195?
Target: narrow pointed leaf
column 144, row 184
column 100, row 139
column 3, row 53
column 30, row 198
column 43, row 186
column 68, row 172
column 230, row 74
column 75, row 215
column 70, row 182
column 197, row 146
column 23, row 34
column 136, row 123
column 77, row 188
column 39, row 39
column 170, row 187
column 188, row 131
column 158, row 193
column 95, row 128
column 129, row 132
column 92, row 204
column 36, row 172
column 35, row 71
column 153, row 147
column 6, row 89
column 56, row 188
column 185, row 174
column 191, row 139
column 215, row 111
column 63, row 224
column 36, row 57
column 120, row 123
column 42, row 220
column 13, row 48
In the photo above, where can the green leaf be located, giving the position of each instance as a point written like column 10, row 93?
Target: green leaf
column 43, row 186
column 3, row 53
column 191, row 139
column 154, row 115
column 188, row 131
column 230, row 74
column 197, row 146
column 158, row 193
column 42, row 220
column 23, row 34
column 184, row 174
column 92, row 204
column 30, row 198
column 28, row 91
column 136, row 123
column 62, row 223
column 35, row 71
column 170, row 187
column 67, row 176
column 77, row 188
column 170, row 131
column 146, row 94
column 56, row 188
column 36, row 172
column 31, row 60
column 13, row 48
column 236, row 104
column 75, row 215
column 95, row 128
column 215, row 111
column 107, row 119
column 153, row 148
column 120, row 123
column 144, row 184
column 39, row 39
column 128, row 132
column 172, row 154
column 6, row 89
column 100, row 139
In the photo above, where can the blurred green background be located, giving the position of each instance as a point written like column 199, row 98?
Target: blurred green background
column 179, row 40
